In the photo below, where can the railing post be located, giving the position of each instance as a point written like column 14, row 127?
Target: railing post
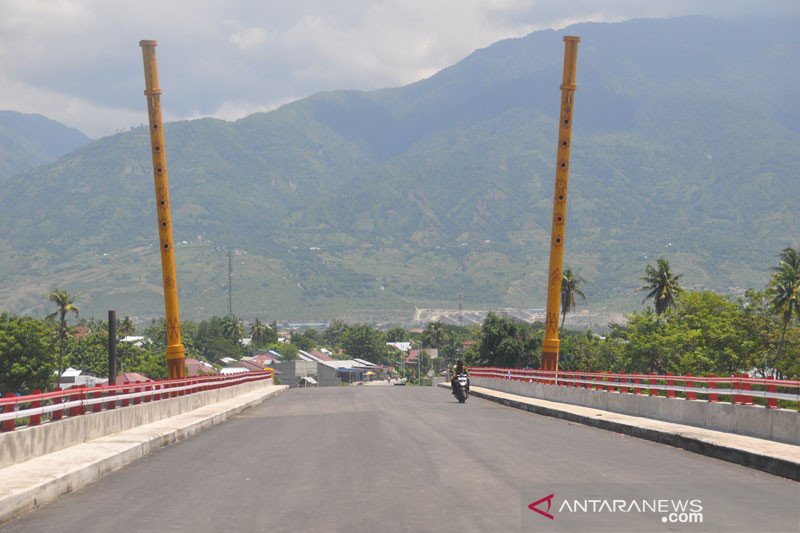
column 35, row 420
column 737, row 399
column 75, row 410
column 688, row 383
column 712, row 396
column 147, row 394
column 8, row 425
column 126, row 401
column 772, row 403
column 746, row 399
column 82, row 397
column 111, row 399
column 637, row 390
column 653, row 391
column 670, row 383
column 138, row 399
column 97, row 407
column 58, row 413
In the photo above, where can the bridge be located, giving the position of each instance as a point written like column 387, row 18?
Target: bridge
column 379, row 457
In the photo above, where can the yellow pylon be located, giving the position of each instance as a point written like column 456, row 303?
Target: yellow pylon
column 175, row 355
column 550, row 344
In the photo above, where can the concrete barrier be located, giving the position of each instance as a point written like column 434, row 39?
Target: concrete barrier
column 781, row 425
column 27, row 443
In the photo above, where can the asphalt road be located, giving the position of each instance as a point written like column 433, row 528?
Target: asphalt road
column 367, row 459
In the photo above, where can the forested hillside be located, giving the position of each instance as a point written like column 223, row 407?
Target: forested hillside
column 685, row 144
column 27, row 141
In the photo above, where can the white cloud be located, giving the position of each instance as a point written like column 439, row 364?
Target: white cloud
column 78, row 61
column 94, row 120
column 246, row 38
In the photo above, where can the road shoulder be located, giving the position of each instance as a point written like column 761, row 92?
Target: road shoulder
column 31, row 484
column 769, row 456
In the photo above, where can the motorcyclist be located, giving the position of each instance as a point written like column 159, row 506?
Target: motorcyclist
column 457, row 369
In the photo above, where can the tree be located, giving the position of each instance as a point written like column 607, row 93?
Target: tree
column 213, row 341
column 26, row 354
column 397, row 334
column 261, row 334
column 649, row 346
column 65, row 304
column 785, row 283
column 662, row 284
column 365, row 342
column 125, row 327
column 712, row 338
column 334, row 332
column 232, row 328
column 432, row 337
column 506, row 342
column 762, row 328
column 304, row 340
column 570, row 286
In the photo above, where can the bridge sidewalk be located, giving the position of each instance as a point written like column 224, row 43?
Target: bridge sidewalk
column 770, row 456
column 30, row 484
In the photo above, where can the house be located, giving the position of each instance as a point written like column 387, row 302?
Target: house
column 351, row 370
column 402, row 346
column 228, row 370
column 247, row 365
column 131, row 377
column 293, row 373
column 72, row 377
column 136, row 340
column 263, row 359
column 412, row 357
column 321, row 355
column 195, row 367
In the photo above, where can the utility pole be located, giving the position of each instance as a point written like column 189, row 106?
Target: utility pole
column 175, row 356
column 230, row 283
column 461, row 310
column 550, row 344
column 112, row 347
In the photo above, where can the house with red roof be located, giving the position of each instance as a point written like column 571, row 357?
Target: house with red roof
column 131, row 377
column 195, row 367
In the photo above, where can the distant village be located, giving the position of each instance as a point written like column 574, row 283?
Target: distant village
column 311, row 368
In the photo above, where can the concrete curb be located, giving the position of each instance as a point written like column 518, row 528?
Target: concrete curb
column 779, row 466
column 31, row 484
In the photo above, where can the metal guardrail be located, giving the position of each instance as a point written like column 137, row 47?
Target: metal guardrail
column 76, row 401
column 739, row 387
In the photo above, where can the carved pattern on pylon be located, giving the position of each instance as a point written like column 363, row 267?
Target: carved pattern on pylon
column 552, row 323
column 173, row 326
column 555, row 276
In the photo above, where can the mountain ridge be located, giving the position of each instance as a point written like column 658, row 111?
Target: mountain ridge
column 410, row 196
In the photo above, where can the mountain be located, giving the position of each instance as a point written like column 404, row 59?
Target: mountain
column 685, row 144
column 27, row 141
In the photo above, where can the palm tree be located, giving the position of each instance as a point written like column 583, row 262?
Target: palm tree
column 570, row 286
column 232, row 328
column 125, row 327
column 662, row 284
column 785, row 283
column 64, row 302
column 258, row 333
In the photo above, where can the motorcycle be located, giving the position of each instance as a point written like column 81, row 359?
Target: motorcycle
column 461, row 388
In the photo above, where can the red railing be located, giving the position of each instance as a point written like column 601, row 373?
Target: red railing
column 740, row 388
column 77, row 401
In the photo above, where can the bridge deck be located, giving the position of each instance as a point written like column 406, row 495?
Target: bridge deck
column 400, row 459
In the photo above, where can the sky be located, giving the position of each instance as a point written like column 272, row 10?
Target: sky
column 79, row 61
